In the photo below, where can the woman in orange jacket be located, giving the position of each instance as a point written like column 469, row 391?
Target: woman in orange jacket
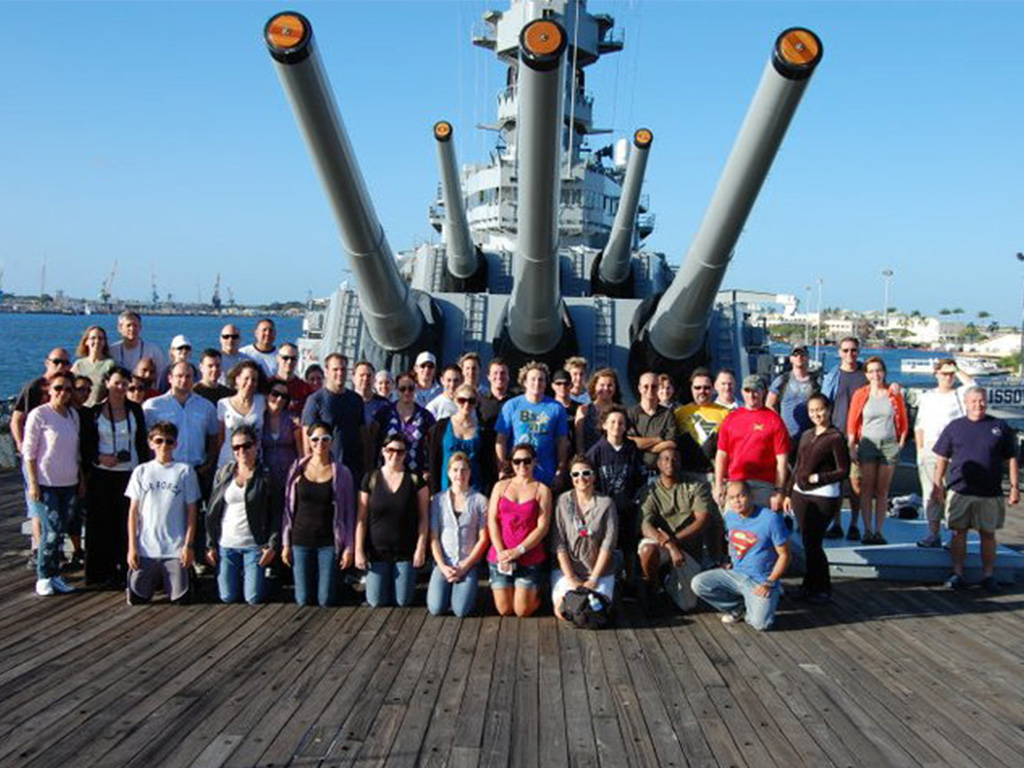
column 877, row 427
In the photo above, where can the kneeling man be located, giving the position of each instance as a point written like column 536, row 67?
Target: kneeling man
column 759, row 549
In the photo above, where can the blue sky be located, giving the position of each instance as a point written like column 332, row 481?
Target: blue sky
column 156, row 133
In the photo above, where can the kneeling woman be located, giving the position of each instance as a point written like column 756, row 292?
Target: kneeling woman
column 243, row 523
column 586, row 529
column 518, row 519
column 392, row 527
column 458, row 540
column 318, row 527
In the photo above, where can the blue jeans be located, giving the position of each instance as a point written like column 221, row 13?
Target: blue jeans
column 239, row 572
column 733, row 592
column 316, row 572
column 460, row 596
column 390, row 583
column 56, row 508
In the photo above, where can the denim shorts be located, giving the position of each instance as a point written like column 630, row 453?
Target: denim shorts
column 523, row 576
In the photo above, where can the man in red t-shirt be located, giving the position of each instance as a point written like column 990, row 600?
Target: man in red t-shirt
column 753, row 444
column 298, row 389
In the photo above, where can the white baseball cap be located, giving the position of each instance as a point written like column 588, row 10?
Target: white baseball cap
column 425, row 357
column 180, row 341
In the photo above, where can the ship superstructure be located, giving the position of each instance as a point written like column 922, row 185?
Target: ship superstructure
column 542, row 252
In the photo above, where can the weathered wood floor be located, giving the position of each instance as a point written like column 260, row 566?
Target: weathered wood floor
column 888, row 675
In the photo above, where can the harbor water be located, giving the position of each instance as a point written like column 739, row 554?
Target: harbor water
column 28, row 338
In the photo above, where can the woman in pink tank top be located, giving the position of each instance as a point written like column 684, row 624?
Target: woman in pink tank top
column 518, row 518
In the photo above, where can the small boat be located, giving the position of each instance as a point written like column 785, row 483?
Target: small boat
column 980, row 366
column 918, row 365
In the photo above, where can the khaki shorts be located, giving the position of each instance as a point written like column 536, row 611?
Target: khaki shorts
column 885, row 452
column 982, row 513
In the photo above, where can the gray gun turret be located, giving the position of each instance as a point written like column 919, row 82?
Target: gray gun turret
column 613, row 268
column 466, row 265
column 673, row 333
column 393, row 314
column 537, row 324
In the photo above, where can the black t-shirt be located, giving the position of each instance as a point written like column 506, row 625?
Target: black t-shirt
column 32, row 395
column 393, row 520
column 489, row 408
column 215, row 393
column 313, row 525
column 618, row 472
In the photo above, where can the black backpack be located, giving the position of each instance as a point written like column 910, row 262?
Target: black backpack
column 586, row 608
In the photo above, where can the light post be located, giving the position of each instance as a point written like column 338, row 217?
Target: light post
column 807, row 315
column 887, row 274
column 817, row 332
column 1020, row 370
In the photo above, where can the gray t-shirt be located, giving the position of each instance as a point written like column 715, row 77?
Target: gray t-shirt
column 849, row 382
column 879, row 419
column 582, row 537
column 457, row 534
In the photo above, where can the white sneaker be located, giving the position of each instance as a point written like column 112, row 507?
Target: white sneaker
column 61, row 586
column 44, row 587
column 732, row 618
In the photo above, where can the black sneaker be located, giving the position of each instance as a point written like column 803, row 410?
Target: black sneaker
column 835, row 532
column 990, row 585
column 853, row 534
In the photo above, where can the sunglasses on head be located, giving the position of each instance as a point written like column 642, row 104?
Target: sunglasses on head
column 582, row 473
column 164, row 441
column 523, row 461
column 231, row 336
column 243, row 446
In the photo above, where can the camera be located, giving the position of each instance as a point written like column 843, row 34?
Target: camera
column 123, row 456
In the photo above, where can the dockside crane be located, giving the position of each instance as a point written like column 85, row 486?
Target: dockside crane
column 105, row 293
column 215, row 300
column 154, row 295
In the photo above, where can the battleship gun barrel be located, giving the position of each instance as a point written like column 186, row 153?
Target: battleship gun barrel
column 615, row 260
column 390, row 312
column 534, row 320
column 462, row 260
column 678, row 325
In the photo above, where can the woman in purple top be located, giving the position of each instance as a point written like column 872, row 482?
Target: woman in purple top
column 518, row 519
column 282, row 433
column 409, row 418
column 318, row 527
column 50, row 448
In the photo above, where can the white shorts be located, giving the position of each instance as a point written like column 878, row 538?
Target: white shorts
column 560, row 586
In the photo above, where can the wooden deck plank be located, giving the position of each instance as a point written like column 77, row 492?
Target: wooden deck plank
column 526, row 700
column 444, row 722
column 552, row 742
column 579, row 724
column 496, row 746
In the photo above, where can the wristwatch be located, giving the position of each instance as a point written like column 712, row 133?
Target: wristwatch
column 770, row 584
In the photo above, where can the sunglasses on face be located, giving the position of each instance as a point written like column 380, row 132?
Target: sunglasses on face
column 701, row 387
column 230, row 336
column 560, row 383
column 60, row 388
column 282, row 395
column 320, row 439
column 464, row 400
column 242, row 446
column 288, row 358
column 584, row 473
column 407, row 388
column 59, row 361
column 849, row 350
column 164, row 441
column 523, row 461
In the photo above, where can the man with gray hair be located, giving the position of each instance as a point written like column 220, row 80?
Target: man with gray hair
column 131, row 348
column 974, row 448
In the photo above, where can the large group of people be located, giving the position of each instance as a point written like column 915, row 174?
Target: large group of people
column 235, row 466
